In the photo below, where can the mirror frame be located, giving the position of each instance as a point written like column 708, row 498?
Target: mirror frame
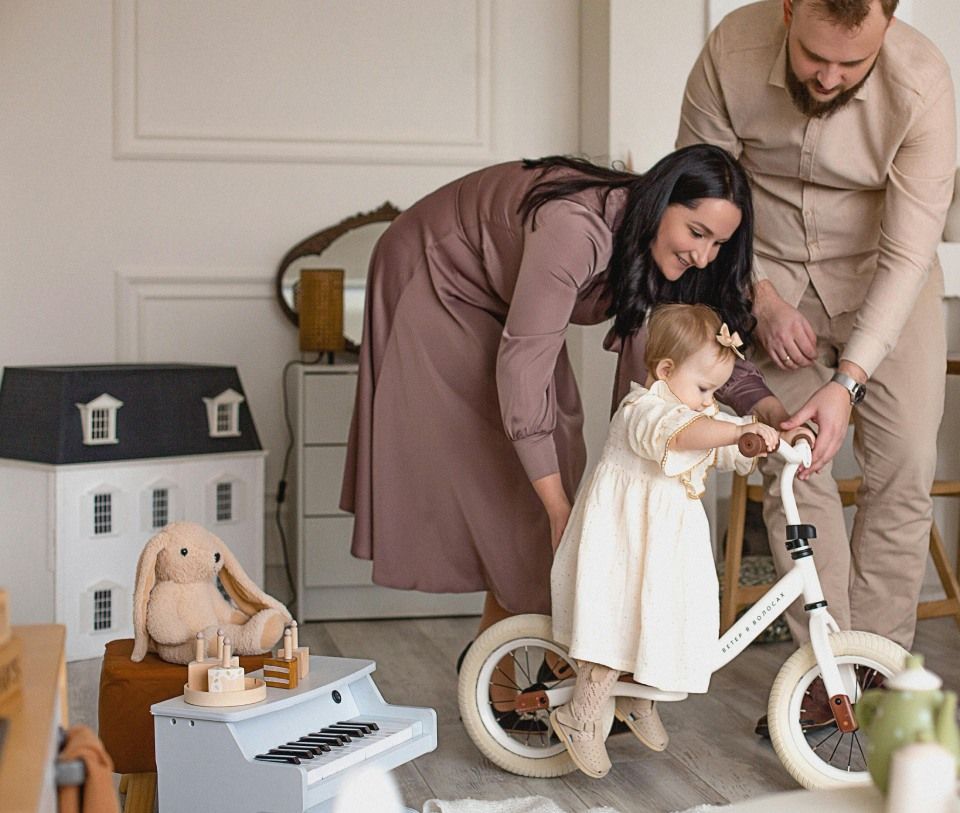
column 316, row 243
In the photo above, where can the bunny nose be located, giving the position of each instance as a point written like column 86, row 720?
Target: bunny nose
column 183, row 551
column 216, row 557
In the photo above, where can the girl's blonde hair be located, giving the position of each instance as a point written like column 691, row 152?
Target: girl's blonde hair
column 678, row 331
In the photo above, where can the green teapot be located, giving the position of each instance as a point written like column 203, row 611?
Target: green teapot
column 911, row 707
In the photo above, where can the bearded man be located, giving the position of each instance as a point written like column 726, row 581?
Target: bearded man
column 844, row 118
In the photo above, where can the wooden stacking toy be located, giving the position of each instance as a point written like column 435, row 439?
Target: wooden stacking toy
column 301, row 653
column 225, row 677
column 283, row 672
column 220, row 681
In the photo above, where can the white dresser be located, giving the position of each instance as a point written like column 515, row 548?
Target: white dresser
column 331, row 583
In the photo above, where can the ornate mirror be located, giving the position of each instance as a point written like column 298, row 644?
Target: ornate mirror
column 347, row 245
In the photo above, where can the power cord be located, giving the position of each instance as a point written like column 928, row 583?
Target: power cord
column 282, row 485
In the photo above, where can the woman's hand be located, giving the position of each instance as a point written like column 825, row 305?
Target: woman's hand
column 558, row 524
column 550, row 491
column 783, row 331
column 771, row 437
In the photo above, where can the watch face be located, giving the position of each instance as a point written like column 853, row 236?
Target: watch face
column 858, row 393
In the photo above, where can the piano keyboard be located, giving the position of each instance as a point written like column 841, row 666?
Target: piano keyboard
column 336, row 747
column 289, row 753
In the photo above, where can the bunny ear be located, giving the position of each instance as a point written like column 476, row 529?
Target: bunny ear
column 246, row 595
column 146, row 579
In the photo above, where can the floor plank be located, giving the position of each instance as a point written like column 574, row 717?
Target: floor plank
column 713, row 757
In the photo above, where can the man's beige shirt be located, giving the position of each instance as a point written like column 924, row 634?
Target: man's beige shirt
column 853, row 203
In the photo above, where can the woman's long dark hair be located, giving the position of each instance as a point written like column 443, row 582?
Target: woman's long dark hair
column 635, row 283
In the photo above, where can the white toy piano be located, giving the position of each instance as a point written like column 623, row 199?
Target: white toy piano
column 290, row 752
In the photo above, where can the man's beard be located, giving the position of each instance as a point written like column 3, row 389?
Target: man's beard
column 806, row 104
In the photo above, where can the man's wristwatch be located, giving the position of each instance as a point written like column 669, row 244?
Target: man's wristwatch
column 857, row 390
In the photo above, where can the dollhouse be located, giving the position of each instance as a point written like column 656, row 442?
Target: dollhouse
column 94, row 460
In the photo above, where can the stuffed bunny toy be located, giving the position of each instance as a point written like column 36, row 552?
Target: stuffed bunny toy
column 176, row 597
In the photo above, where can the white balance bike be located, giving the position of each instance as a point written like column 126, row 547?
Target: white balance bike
column 520, row 657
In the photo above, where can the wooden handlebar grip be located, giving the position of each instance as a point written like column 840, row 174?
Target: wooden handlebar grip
column 751, row 444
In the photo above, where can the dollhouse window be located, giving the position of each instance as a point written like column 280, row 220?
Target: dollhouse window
column 102, row 514
column 224, row 502
column 161, row 503
column 223, row 414
column 103, row 608
column 225, row 498
column 160, row 507
column 99, row 420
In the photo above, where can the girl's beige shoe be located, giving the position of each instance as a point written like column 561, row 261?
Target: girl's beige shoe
column 643, row 719
column 583, row 740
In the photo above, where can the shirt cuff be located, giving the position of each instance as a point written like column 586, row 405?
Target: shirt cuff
column 865, row 351
column 538, row 455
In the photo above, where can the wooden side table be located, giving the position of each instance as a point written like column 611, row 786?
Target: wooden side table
column 27, row 778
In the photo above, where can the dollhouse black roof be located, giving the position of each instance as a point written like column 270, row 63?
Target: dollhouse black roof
column 163, row 412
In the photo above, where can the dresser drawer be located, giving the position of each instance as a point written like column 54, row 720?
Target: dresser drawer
column 322, row 475
column 326, row 553
column 327, row 406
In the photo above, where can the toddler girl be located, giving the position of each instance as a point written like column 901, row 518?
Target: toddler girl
column 634, row 583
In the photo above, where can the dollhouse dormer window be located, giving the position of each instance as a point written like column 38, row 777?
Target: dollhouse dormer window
column 99, row 420
column 223, row 414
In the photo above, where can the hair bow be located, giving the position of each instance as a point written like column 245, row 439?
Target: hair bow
column 731, row 340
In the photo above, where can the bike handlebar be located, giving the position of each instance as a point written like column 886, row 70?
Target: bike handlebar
column 751, row 445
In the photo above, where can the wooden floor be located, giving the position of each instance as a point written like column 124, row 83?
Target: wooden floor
column 713, row 757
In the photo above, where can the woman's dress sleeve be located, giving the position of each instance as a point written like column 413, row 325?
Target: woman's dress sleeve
column 568, row 246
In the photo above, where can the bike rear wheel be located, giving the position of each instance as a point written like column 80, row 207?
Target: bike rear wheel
column 827, row 757
column 517, row 655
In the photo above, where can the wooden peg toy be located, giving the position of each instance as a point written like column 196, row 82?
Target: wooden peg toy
column 197, row 668
column 226, row 677
column 282, row 672
column 301, row 653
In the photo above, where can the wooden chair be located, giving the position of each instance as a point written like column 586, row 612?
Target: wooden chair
column 735, row 596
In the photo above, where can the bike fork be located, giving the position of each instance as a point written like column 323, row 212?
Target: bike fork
column 840, row 681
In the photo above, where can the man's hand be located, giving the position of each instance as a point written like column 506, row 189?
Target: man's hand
column 829, row 408
column 783, row 331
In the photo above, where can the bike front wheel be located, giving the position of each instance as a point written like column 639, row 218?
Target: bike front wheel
column 827, row 758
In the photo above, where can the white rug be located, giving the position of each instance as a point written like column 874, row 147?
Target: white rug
column 528, row 804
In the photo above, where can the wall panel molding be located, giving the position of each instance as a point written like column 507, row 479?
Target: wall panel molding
column 186, row 117
column 137, row 288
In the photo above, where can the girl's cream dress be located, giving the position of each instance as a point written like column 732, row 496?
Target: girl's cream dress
column 634, row 582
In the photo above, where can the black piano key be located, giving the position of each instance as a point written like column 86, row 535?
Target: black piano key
column 350, row 731
column 313, row 749
column 322, row 746
column 335, row 740
column 371, row 726
column 360, row 726
column 342, row 735
column 292, row 752
column 278, row 758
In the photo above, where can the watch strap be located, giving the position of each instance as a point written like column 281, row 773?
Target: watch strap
column 850, row 384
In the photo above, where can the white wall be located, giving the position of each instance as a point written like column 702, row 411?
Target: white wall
column 143, row 212
column 159, row 157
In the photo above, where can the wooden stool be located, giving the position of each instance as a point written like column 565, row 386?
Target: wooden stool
column 735, row 596
column 127, row 690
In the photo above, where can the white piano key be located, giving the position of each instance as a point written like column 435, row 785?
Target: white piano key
column 391, row 733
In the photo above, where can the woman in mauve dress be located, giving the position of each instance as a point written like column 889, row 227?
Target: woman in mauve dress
column 466, row 445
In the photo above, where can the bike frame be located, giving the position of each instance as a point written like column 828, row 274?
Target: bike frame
column 800, row 580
